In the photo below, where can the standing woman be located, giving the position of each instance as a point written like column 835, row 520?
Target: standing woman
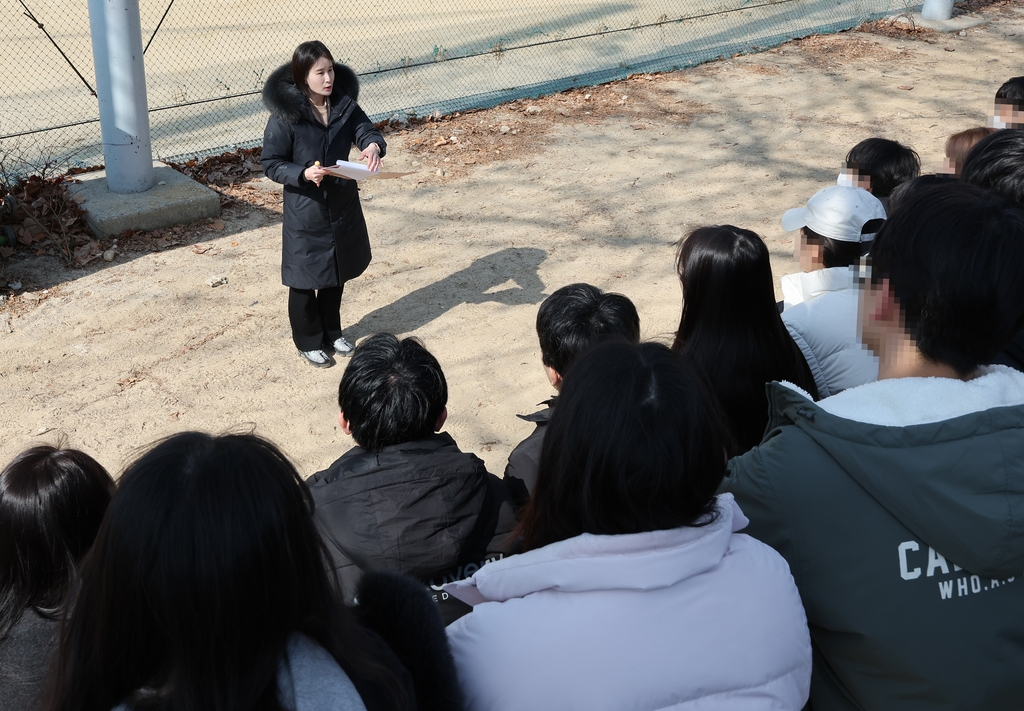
column 314, row 120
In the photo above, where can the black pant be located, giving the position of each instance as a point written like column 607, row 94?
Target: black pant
column 315, row 316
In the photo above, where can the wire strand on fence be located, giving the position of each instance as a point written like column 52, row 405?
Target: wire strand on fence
column 29, row 15
column 157, row 28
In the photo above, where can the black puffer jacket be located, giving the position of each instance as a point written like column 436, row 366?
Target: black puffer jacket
column 424, row 508
column 324, row 238
column 523, row 462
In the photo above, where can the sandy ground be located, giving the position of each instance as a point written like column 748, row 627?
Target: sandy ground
column 590, row 189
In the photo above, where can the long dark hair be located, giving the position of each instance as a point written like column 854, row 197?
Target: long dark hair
column 51, row 503
column 206, row 563
column 634, row 445
column 304, row 57
column 731, row 328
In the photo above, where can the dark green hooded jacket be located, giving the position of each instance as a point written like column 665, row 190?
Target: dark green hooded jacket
column 907, row 546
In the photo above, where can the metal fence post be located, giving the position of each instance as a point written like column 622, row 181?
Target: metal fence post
column 121, row 88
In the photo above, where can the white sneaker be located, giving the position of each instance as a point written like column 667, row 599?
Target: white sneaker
column 342, row 347
column 317, row 358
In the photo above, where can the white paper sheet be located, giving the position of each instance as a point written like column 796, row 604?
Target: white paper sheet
column 358, row 171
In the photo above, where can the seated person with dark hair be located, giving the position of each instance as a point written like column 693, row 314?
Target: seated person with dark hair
column 898, row 503
column 879, row 165
column 406, row 498
column 569, row 321
column 996, row 163
column 1009, row 108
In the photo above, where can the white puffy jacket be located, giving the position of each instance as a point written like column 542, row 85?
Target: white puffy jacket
column 823, row 322
column 689, row 618
column 799, row 287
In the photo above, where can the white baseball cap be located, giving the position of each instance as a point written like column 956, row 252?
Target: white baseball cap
column 837, row 212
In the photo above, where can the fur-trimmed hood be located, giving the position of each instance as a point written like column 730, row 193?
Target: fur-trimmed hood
column 284, row 100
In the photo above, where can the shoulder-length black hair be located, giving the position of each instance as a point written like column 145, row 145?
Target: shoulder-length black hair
column 51, row 503
column 206, row 563
column 304, row 57
column 731, row 328
column 634, row 445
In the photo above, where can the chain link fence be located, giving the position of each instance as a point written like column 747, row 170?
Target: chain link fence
column 206, row 60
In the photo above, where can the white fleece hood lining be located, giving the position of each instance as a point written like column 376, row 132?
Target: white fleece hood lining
column 902, row 402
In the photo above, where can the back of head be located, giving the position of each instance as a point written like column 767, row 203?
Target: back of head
column 634, row 445
column 952, row 255
column 392, row 392
column 887, row 162
column 912, row 187
column 51, row 504
column 960, row 144
column 996, row 163
column 207, row 562
column 576, row 317
column 731, row 328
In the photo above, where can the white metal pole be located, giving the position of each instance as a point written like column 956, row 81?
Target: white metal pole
column 937, row 9
column 121, row 87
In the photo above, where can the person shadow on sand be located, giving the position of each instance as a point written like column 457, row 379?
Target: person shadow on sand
column 472, row 285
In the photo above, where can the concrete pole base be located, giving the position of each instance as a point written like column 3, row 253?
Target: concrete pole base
column 174, row 200
column 955, row 24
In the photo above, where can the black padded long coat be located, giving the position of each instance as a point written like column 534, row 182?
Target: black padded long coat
column 324, row 239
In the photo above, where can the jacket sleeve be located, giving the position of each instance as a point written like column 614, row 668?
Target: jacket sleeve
column 521, row 470
column 276, row 158
column 809, row 355
column 366, row 133
column 523, row 463
column 749, row 480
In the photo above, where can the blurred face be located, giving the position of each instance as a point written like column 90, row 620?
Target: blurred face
column 851, row 178
column 1009, row 115
column 320, row 79
column 867, row 327
column 808, row 255
column 880, row 323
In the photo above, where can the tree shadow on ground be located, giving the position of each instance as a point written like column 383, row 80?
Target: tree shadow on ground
column 476, row 284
